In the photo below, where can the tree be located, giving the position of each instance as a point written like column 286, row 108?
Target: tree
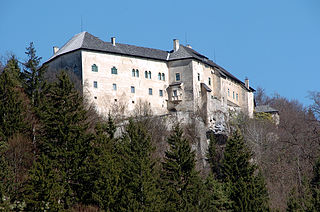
column 102, row 173
column 44, row 190
column 248, row 191
column 33, row 75
column 12, row 108
column 181, row 182
column 140, row 191
column 64, row 137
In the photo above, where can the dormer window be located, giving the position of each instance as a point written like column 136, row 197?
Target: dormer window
column 114, row 70
column 94, row 68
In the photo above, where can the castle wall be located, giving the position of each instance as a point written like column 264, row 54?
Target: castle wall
column 184, row 68
column 122, row 100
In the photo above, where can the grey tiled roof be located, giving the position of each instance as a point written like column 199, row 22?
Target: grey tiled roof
column 85, row 40
column 265, row 109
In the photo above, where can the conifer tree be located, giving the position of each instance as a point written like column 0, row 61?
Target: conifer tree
column 216, row 195
column 139, row 189
column 64, row 137
column 43, row 190
column 33, row 75
column 181, row 183
column 102, row 174
column 11, row 104
column 248, row 191
column 315, row 186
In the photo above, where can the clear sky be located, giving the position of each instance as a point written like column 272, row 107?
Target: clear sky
column 275, row 43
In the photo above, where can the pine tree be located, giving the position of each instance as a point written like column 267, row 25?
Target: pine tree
column 181, row 183
column 43, row 190
column 11, row 104
column 248, row 191
column 102, row 174
column 315, row 186
column 139, row 189
column 216, row 195
column 33, row 76
column 64, row 137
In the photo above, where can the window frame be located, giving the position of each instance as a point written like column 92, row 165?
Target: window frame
column 114, row 70
column 133, row 89
column 133, row 73
column 114, row 87
column 161, row 93
column 178, row 74
column 95, row 84
column 150, row 91
column 94, row 68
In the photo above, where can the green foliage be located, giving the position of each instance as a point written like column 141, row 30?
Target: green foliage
column 102, row 174
column 216, row 196
column 64, row 137
column 32, row 76
column 181, row 182
column 11, row 103
column 139, row 177
column 315, row 186
column 248, row 191
column 263, row 116
column 45, row 188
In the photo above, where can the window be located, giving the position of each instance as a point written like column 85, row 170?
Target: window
column 160, row 92
column 150, row 91
column 94, row 68
column 177, row 76
column 132, row 89
column 175, row 93
column 228, row 92
column 133, row 72
column 146, row 74
column 149, row 74
column 159, row 76
column 209, row 81
column 163, row 77
column 137, row 73
column 95, row 84
column 114, row 70
column 233, row 94
column 198, row 77
column 237, row 97
column 114, row 87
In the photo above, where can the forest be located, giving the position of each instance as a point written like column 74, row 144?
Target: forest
column 58, row 154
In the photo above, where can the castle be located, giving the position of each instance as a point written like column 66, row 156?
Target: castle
column 122, row 76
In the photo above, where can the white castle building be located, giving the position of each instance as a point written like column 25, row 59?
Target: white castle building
column 125, row 77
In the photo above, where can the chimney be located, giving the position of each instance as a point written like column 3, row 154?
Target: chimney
column 55, row 49
column 113, row 41
column 190, row 47
column 176, row 44
column 246, row 82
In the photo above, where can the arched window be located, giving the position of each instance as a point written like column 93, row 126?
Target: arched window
column 137, row 73
column 94, row 68
column 133, row 72
column 114, row 70
column 163, row 77
column 146, row 74
column 149, row 74
column 159, row 76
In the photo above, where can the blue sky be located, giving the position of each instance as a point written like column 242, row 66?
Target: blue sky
column 275, row 43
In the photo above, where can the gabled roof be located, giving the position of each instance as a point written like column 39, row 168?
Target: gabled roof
column 265, row 109
column 85, row 40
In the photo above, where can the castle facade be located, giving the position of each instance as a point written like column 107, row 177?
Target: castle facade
column 130, row 79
